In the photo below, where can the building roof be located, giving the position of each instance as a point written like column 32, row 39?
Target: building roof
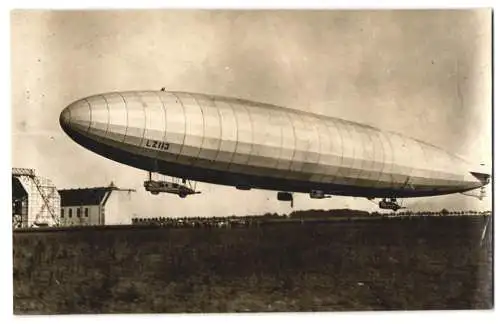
column 83, row 196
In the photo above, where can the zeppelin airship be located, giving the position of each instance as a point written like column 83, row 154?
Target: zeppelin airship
column 246, row 144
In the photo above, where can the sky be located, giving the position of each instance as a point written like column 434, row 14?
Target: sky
column 425, row 74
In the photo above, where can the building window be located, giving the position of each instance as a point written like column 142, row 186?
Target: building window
column 86, row 212
column 62, row 212
column 78, row 210
column 70, row 213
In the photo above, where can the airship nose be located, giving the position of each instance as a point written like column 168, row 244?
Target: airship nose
column 65, row 118
column 76, row 117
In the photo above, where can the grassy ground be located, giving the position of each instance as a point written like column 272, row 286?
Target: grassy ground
column 385, row 264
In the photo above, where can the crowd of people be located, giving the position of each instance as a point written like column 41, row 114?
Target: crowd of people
column 309, row 215
column 195, row 221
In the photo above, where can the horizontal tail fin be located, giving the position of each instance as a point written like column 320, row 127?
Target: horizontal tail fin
column 483, row 177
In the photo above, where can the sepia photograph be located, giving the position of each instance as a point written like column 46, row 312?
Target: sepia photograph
column 251, row 161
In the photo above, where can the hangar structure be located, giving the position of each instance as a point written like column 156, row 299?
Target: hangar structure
column 35, row 200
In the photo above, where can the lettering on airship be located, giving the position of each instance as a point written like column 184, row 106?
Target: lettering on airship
column 159, row 145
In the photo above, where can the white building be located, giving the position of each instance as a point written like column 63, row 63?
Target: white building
column 95, row 206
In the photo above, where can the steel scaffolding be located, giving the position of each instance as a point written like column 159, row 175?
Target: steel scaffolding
column 43, row 203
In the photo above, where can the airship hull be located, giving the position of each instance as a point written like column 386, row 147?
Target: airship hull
column 247, row 144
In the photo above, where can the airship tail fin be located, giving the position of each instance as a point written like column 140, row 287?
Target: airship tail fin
column 483, row 177
column 479, row 193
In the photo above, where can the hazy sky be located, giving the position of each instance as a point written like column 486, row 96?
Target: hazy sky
column 426, row 74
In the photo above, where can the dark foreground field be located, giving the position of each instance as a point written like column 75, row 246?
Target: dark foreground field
column 387, row 264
